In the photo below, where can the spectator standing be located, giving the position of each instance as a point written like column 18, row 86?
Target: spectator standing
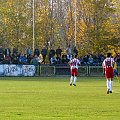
column 102, row 57
column 90, row 60
column 58, row 60
column 29, row 58
column 69, row 50
column 51, row 54
column 37, row 52
column 53, row 60
column 115, row 70
column 15, row 50
column 1, row 57
column 15, row 58
column 7, row 52
column 96, row 59
column 22, row 59
column 69, row 57
column 1, row 50
column 44, row 53
column 58, row 51
column 35, row 62
column 118, row 59
column 85, row 60
column 40, row 59
column 7, row 59
column 28, row 52
column 75, row 51
column 64, row 59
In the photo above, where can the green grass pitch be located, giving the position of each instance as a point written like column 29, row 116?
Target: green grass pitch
column 25, row 98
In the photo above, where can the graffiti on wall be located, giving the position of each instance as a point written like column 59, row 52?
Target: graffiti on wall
column 17, row 70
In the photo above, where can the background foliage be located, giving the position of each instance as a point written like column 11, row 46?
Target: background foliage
column 98, row 24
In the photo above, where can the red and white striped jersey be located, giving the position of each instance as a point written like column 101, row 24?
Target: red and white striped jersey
column 74, row 63
column 108, row 62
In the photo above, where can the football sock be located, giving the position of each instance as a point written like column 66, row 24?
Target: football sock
column 71, row 79
column 110, row 85
column 75, row 78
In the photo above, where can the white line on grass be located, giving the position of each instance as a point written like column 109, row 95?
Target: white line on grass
column 116, row 91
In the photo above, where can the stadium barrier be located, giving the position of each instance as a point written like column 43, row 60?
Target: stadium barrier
column 48, row 70
column 62, row 70
column 95, row 71
column 83, row 71
column 65, row 71
column 17, row 70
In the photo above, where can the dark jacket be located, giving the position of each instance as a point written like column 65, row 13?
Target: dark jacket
column 44, row 51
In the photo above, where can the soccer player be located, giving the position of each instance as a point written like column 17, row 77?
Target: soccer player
column 108, row 64
column 115, row 64
column 74, row 63
column 115, row 71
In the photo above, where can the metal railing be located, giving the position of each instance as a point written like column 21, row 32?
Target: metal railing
column 65, row 71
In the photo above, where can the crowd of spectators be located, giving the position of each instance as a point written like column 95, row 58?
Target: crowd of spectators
column 54, row 57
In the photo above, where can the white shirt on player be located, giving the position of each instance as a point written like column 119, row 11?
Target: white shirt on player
column 74, row 63
column 108, row 62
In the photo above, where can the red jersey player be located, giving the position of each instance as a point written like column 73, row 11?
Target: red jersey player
column 74, row 63
column 108, row 64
